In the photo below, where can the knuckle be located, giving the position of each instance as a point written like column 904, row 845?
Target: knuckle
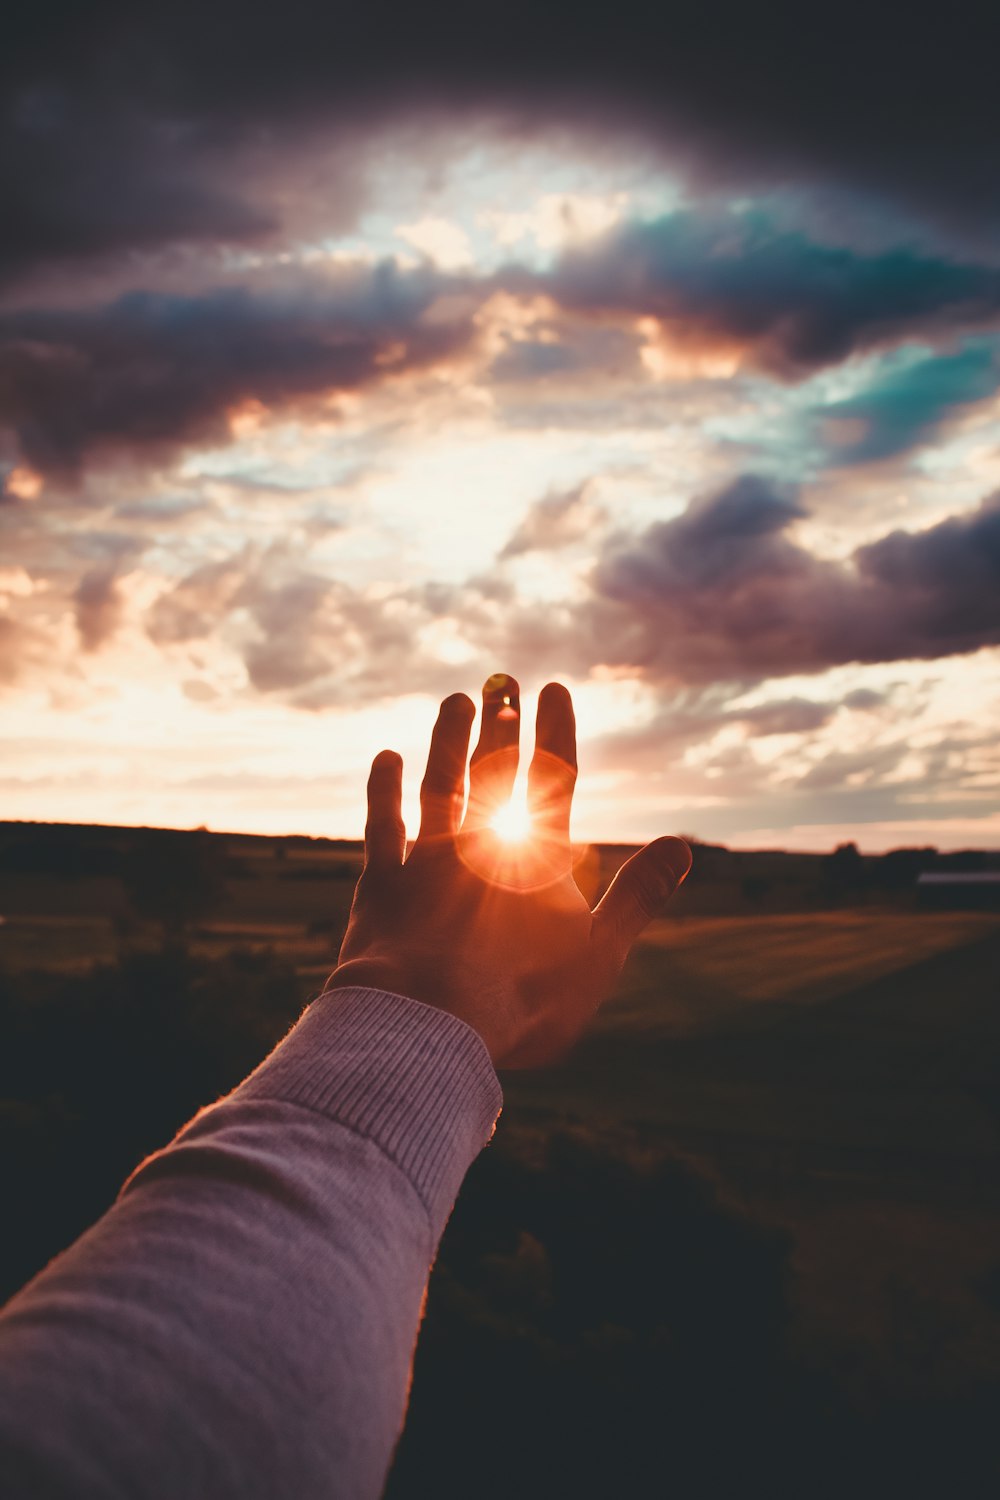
column 437, row 785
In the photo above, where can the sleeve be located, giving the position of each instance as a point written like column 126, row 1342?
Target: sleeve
column 241, row 1322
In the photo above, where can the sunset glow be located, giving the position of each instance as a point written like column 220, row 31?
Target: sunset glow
column 724, row 459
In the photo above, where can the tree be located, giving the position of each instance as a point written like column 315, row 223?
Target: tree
column 844, row 870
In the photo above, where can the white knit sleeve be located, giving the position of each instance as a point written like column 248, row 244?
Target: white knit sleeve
column 241, row 1322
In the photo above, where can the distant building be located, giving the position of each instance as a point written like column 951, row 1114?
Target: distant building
column 965, row 890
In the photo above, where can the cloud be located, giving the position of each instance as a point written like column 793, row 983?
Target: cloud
column 13, row 642
column 320, row 643
column 298, row 621
column 98, row 606
column 174, row 511
column 724, row 538
column 725, row 593
column 25, row 649
column 311, row 639
column 946, row 579
column 695, row 715
column 128, row 127
column 864, row 700
column 82, row 179
column 698, row 749
column 542, row 350
column 558, row 519
column 152, row 372
column 908, row 402
column 786, row 716
column 194, row 606
column 740, row 282
column 127, row 139
column 149, row 371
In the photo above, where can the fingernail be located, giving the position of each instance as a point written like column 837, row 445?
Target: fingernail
column 503, row 693
column 500, row 685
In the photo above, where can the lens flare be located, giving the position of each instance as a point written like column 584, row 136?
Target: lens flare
column 512, row 822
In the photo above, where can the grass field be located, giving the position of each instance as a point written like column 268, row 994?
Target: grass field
column 288, row 902
column 691, row 975
column 791, row 1115
column 837, row 1075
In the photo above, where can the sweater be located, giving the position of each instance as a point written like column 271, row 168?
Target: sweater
column 241, row 1322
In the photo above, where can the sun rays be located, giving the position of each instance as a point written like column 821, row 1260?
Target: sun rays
column 512, row 822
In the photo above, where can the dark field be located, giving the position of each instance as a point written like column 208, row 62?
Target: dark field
column 747, row 1239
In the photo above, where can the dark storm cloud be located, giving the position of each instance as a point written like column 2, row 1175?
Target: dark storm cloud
column 80, row 184
column 154, row 370
column 737, row 278
column 124, row 130
column 724, row 592
column 151, row 371
column 124, row 123
column 947, row 576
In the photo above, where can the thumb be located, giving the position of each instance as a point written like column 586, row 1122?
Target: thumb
column 638, row 893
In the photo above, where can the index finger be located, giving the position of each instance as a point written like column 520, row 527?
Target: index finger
column 442, row 790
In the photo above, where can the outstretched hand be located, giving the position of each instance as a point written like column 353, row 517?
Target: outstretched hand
column 496, row 932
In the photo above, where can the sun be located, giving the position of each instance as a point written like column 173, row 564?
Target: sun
column 512, row 822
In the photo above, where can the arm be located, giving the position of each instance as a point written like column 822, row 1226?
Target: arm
column 241, row 1323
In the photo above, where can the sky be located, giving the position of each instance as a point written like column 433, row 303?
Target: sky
column 346, row 358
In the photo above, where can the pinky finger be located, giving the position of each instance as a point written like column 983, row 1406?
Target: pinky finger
column 385, row 835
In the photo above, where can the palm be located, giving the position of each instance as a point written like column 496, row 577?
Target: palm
column 496, row 932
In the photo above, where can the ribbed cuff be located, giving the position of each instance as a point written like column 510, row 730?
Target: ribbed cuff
column 415, row 1080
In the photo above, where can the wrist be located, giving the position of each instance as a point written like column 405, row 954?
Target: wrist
column 373, row 974
column 464, row 1002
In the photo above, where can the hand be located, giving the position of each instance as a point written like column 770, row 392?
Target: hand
column 496, row 933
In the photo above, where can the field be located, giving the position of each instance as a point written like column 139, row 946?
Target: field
column 752, row 1225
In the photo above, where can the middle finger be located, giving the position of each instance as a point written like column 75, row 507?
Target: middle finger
column 494, row 761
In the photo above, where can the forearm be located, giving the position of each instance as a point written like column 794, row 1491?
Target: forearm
column 242, row 1321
